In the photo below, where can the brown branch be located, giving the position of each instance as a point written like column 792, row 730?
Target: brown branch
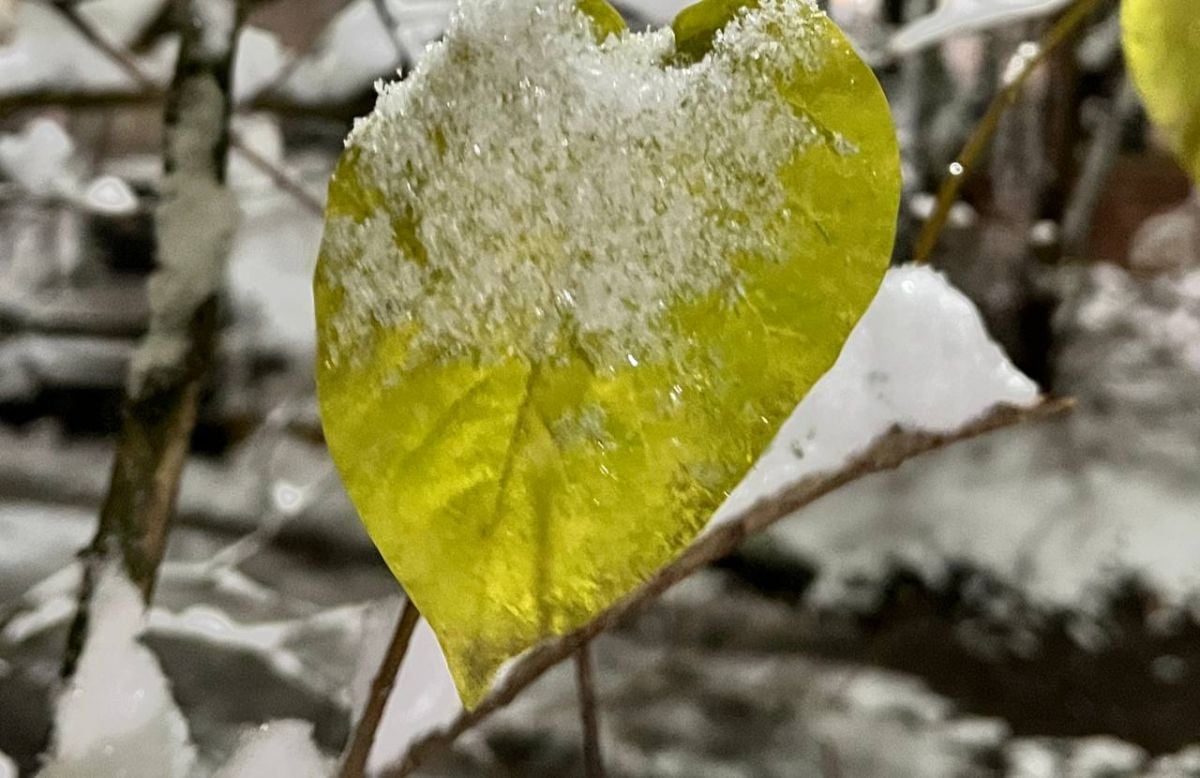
column 355, row 762
column 194, row 226
column 1062, row 31
column 593, row 761
column 887, row 453
column 122, row 58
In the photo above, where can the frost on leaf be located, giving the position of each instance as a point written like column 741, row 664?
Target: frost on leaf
column 1162, row 46
column 572, row 280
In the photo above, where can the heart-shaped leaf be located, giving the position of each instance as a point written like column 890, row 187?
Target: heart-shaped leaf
column 1162, row 47
column 570, row 288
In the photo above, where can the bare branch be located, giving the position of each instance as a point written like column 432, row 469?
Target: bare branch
column 149, row 89
column 122, row 58
column 1102, row 154
column 391, row 26
column 194, row 224
column 381, row 688
column 1062, row 31
column 887, row 453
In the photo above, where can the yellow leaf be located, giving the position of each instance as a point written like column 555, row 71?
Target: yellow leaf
column 1162, row 47
column 569, row 291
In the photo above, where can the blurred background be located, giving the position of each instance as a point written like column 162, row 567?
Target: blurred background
column 1018, row 605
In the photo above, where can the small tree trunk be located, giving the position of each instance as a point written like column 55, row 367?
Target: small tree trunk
column 194, row 226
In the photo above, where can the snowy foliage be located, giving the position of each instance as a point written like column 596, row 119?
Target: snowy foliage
column 652, row 197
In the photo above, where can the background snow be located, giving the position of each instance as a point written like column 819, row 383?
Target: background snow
column 281, row 748
column 117, row 717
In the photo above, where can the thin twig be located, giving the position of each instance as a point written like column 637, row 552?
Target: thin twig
column 279, row 82
column 887, row 453
column 148, row 85
column 277, row 176
column 116, row 54
column 391, row 27
column 1061, row 32
column 1102, row 155
column 355, row 762
column 589, row 717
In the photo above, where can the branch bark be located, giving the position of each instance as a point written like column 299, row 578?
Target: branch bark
column 194, row 226
column 355, row 762
column 887, row 453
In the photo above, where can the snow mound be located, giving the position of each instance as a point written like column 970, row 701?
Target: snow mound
column 117, row 717
column 919, row 358
column 283, row 748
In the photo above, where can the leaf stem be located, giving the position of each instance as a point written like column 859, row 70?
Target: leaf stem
column 593, row 760
column 355, row 762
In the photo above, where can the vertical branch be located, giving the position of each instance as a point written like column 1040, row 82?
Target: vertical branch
column 593, row 762
column 1060, row 33
column 355, row 762
column 194, row 227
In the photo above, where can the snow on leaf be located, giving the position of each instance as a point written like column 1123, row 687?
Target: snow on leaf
column 569, row 288
column 1162, row 46
column 117, row 716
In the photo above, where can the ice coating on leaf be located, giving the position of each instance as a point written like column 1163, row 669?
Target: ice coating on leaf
column 547, row 194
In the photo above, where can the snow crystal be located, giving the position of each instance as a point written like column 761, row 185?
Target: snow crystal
column 955, row 17
column 117, row 716
column 282, row 747
column 542, row 188
column 919, row 358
